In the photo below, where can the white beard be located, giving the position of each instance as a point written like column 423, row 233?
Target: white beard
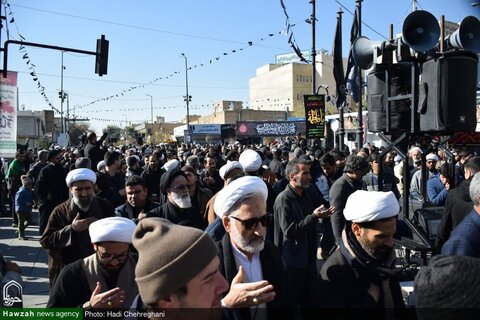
column 247, row 246
column 82, row 205
column 183, row 202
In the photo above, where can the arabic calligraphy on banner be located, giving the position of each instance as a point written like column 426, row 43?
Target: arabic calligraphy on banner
column 8, row 115
column 315, row 116
column 269, row 129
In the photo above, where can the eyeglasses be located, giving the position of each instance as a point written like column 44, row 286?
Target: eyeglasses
column 181, row 187
column 252, row 223
column 109, row 257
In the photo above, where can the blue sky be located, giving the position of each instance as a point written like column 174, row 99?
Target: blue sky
column 147, row 38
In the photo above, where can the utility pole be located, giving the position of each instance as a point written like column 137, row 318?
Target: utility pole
column 359, row 132
column 187, row 99
column 314, row 52
column 67, row 120
column 341, row 119
column 151, row 107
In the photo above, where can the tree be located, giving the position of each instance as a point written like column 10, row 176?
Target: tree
column 76, row 130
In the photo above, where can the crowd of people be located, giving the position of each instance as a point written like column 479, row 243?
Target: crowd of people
column 280, row 230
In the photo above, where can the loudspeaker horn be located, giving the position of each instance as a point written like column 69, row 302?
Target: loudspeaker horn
column 363, row 51
column 420, row 31
column 467, row 35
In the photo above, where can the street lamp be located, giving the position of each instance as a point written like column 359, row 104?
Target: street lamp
column 151, row 106
column 61, row 95
column 187, row 98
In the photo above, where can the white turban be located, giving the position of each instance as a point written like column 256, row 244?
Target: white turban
column 80, row 175
column 432, row 156
column 236, row 190
column 116, row 229
column 171, row 164
column 250, row 160
column 363, row 206
column 225, row 169
column 100, row 165
column 415, row 149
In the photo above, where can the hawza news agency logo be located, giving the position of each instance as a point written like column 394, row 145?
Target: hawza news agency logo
column 12, row 293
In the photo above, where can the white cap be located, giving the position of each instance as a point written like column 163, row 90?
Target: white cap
column 432, row 156
column 250, row 160
column 171, row 164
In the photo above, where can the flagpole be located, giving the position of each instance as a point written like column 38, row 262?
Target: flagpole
column 359, row 81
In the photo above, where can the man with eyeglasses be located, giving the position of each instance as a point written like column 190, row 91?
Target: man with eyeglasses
column 178, row 208
column 66, row 236
column 105, row 279
column 252, row 265
column 295, row 232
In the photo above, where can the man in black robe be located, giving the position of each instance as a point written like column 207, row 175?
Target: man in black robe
column 105, row 279
column 66, row 236
column 362, row 274
column 178, row 208
column 245, row 256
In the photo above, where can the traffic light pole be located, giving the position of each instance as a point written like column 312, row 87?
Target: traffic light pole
column 100, row 55
column 61, row 95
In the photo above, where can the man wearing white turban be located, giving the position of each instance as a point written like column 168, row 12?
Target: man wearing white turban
column 245, row 256
column 362, row 274
column 66, row 236
column 105, row 279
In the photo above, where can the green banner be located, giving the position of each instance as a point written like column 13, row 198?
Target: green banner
column 41, row 313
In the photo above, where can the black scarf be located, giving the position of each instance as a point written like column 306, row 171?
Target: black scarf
column 377, row 270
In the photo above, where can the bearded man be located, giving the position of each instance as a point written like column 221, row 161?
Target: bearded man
column 66, row 236
column 362, row 274
column 245, row 256
column 105, row 279
column 50, row 188
column 152, row 175
column 178, row 207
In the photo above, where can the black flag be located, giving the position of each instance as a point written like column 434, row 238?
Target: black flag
column 351, row 62
column 338, row 64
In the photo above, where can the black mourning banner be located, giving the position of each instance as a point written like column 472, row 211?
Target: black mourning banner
column 314, row 116
column 254, row 129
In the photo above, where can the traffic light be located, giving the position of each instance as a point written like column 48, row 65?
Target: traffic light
column 101, row 61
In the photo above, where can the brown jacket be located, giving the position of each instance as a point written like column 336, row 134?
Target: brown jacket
column 65, row 245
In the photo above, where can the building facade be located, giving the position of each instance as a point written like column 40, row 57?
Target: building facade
column 281, row 87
